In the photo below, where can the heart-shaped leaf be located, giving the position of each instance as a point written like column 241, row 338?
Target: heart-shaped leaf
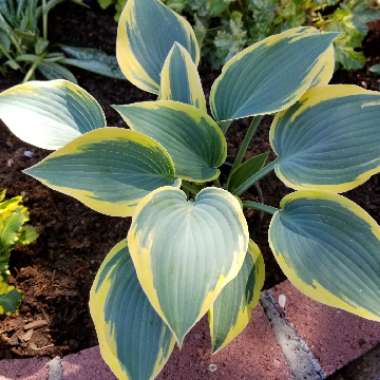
column 147, row 31
column 186, row 251
column 193, row 139
column 50, row 114
column 329, row 248
column 329, row 140
column 180, row 79
column 109, row 169
column 231, row 312
column 134, row 341
column 272, row 74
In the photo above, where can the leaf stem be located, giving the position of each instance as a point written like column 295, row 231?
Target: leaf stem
column 6, row 54
column 261, row 197
column 190, row 188
column 256, row 177
column 246, row 141
column 244, row 146
column 260, row 206
column 15, row 41
column 45, row 12
column 33, row 68
column 49, row 6
column 225, row 125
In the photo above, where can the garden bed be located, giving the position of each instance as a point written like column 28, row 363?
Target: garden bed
column 56, row 272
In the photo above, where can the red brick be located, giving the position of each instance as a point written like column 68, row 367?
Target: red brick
column 23, row 369
column 254, row 355
column 86, row 365
column 334, row 336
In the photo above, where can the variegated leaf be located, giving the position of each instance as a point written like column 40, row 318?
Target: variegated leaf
column 329, row 248
column 133, row 340
column 180, row 79
column 147, row 31
column 231, row 312
column 273, row 74
column 109, row 169
column 192, row 138
column 50, row 114
column 186, row 251
column 329, row 140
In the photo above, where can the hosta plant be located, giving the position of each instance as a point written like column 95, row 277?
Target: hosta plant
column 14, row 230
column 188, row 252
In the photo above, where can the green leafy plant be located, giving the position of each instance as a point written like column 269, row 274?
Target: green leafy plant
column 375, row 69
column 188, row 251
column 351, row 20
column 13, row 231
column 25, row 46
column 224, row 27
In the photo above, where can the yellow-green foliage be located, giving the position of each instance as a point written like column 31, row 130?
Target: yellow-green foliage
column 13, row 231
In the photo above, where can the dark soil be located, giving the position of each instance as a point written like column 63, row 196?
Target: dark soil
column 57, row 271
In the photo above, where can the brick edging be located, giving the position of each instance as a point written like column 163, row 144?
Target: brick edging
column 301, row 361
column 335, row 337
column 300, row 339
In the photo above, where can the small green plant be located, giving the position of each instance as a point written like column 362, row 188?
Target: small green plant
column 224, row 27
column 24, row 47
column 13, row 231
column 351, row 20
column 375, row 69
column 188, row 252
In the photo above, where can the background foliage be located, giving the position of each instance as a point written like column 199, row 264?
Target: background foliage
column 225, row 27
column 13, row 231
column 25, row 44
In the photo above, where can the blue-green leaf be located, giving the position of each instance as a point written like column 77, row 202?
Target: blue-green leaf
column 192, row 138
column 329, row 248
column 231, row 312
column 50, row 114
column 186, row 251
column 272, row 74
column 329, row 140
column 53, row 70
column 109, row 169
column 147, row 31
column 180, row 79
column 93, row 60
column 134, row 342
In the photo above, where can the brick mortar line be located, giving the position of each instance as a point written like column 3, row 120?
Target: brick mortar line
column 302, row 363
column 55, row 369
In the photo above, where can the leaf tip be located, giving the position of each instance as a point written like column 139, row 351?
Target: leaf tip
column 28, row 171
